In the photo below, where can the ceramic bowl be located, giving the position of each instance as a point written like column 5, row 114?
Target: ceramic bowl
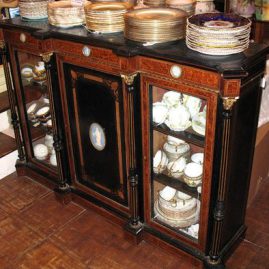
column 31, row 112
column 198, row 158
column 43, row 113
column 183, row 196
column 49, row 124
column 193, row 104
column 173, row 151
column 160, row 162
column 175, row 168
column 199, row 123
column 178, row 118
column 172, row 98
column 41, row 151
column 49, row 142
column 53, row 160
column 193, row 173
column 159, row 112
column 167, row 193
column 174, row 141
column 27, row 72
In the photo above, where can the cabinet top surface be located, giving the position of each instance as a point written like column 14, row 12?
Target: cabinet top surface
column 174, row 51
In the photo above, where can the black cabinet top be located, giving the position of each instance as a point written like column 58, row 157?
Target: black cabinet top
column 239, row 64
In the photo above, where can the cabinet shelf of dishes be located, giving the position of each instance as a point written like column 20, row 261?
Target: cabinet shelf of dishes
column 37, row 106
column 177, row 138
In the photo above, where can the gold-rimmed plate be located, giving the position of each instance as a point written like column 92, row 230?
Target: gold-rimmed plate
column 156, row 14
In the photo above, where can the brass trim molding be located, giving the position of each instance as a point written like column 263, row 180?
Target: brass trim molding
column 228, row 102
column 2, row 44
column 129, row 78
column 46, row 56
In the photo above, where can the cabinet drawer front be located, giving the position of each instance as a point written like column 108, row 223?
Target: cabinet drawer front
column 21, row 38
column 24, row 40
column 188, row 74
column 97, row 55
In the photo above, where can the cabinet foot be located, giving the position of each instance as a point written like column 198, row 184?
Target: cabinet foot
column 63, row 194
column 134, row 233
column 212, row 264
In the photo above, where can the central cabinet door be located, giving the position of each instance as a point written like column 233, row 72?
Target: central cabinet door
column 178, row 124
column 95, row 108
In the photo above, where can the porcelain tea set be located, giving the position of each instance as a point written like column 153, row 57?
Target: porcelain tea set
column 175, row 160
column 179, row 111
column 177, row 208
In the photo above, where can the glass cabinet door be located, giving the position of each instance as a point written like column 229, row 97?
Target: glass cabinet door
column 177, row 138
column 37, row 109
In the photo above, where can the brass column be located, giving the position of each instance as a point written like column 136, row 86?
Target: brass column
column 134, row 225
column 214, row 259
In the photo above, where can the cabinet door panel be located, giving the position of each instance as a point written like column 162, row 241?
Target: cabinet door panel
column 179, row 155
column 37, row 110
column 96, row 119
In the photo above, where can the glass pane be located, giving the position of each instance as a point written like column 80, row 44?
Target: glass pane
column 177, row 137
column 35, row 92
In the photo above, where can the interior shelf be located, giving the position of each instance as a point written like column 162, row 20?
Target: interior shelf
column 188, row 135
column 176, row 183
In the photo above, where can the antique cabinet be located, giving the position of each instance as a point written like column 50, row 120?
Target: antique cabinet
column 160, row 138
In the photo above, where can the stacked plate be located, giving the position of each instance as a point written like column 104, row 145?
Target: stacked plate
column 106, row 17
column 33, row 9
column 186, row 5
column 65, row 14
column 155, row 25
column 218, row 33
column 154, row 3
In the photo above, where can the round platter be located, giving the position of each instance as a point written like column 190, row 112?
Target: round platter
column 176, row 223
column 106, row 17
column 218, row 33
column 161, row 15
column 155, row 25
column 220, row 20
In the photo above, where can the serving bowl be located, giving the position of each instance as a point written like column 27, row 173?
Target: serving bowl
column 174, row 151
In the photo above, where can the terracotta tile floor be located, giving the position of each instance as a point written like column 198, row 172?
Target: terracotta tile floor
column 37, row 232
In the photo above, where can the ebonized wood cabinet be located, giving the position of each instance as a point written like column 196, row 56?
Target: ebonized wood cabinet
column 101, row 91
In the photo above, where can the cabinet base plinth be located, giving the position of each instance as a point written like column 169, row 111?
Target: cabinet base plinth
column 212, row 264
column 134, row 233
column 63, row 195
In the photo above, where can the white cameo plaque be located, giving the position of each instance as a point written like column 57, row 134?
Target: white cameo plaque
column 97, row 136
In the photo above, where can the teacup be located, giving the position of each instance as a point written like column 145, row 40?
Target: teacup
column 159, row 112
column 175, row 168
column 172, row 98
column 41, row 151
column 193, row 104
column 160, row 162
column 178, row 118
column 167, row 193
column 193, row 173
